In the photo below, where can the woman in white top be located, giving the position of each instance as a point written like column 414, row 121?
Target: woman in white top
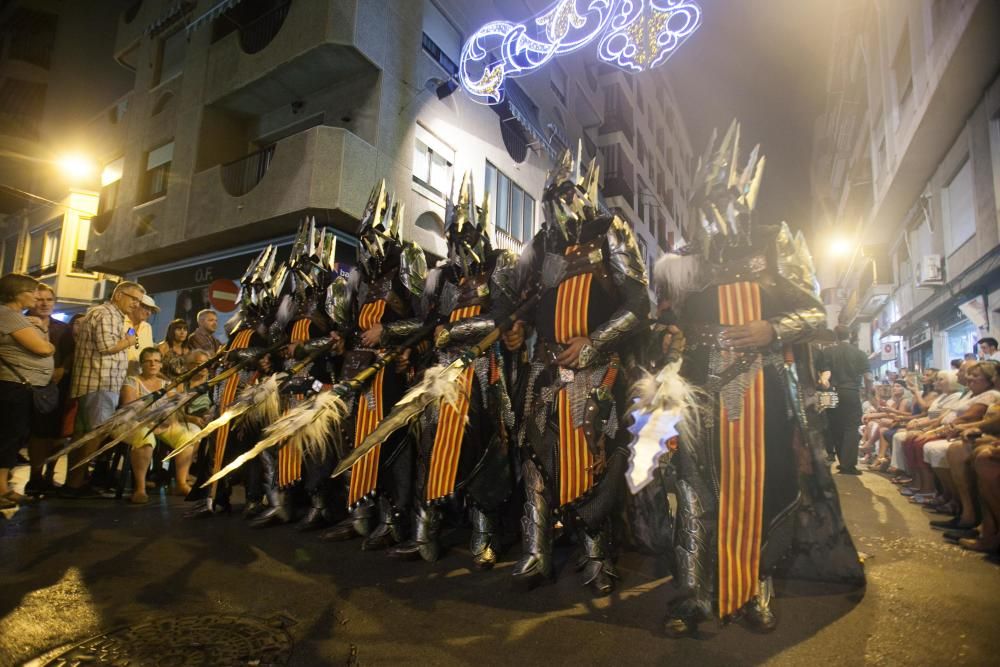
column 148, row 381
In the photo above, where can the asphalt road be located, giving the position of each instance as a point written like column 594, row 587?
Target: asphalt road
column 73, row 570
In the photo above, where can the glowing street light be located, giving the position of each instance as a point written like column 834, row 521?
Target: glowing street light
column 76, row 167
column 840, row 247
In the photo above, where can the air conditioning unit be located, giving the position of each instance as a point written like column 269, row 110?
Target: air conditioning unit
column 930, row 271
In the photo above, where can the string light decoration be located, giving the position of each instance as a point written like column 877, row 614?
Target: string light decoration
column 635, row 35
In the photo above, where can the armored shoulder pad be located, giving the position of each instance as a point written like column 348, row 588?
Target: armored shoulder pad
column 794, row 263
column 623, row 251
column 338, row 302
column 412, row 268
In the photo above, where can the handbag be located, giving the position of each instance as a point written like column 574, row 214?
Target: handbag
column 45, row 399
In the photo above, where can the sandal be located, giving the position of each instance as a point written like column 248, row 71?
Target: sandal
column 977, row 544
column 18, row 498
column 902, row 480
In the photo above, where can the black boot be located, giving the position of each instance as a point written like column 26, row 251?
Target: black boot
column 391, row 529
column 595, row 564
column 358, row 524
column 535, row 565
column 317, row 516
column 484, row 542
column 757, row 613
column 425, row 542
column 279, row 512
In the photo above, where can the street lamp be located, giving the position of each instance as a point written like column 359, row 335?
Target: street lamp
column 76, row 167
column 840, row 247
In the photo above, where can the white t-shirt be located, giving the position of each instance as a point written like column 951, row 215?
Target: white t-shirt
column 987, row 398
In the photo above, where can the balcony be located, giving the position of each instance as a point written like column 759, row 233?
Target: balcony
column 288, row 53
column 322, row 169
column 616, row 185
column 504, row 241
column 874, row 289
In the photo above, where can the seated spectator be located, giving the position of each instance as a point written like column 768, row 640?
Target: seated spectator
column 142, row 442
column 988, row 349
column 986, row 462
column 203, row 337
column 25, row 362
column 896, row 407
column 949, row 391
column 188, row 422
column 175, row 349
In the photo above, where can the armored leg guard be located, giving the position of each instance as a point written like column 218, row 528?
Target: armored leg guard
column 391, row 529
column 758, row 613
column 318, row 515
column 425, row 543
column 263, row 484
column 279, row 512
column 535, row 564
column 358, row 524
column 484, row 541
column 595, row 563
column 692, row 556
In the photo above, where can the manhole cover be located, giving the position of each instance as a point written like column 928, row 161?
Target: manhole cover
column 183, row 641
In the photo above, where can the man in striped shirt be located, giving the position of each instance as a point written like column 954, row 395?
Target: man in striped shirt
column 99, row 369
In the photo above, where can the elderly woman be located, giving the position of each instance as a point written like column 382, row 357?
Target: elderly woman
column 25, row 362
column 897, row 407
column 146, row 382
column 188, row 422
column 949, row 391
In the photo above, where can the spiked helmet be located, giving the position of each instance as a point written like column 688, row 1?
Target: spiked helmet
column 570, row 197
column 378, row 231
column 466, row 228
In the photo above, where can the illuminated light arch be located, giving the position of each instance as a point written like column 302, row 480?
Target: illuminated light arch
column 635, row 35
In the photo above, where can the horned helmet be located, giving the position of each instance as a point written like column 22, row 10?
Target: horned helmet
column 260, row 289
column 570, row 198
column 311, row 263
column 724, row 196
column 466, row 229
column 378, row 233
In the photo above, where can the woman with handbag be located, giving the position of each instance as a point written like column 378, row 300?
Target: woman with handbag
column 25, row 368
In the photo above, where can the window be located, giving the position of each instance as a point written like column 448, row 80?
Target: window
column 441, row 41
column 43, row 248
column 513, row 208
column 82, row 234
column 158, row 171
column 171, row 57
column 901, row 70
column 110, row 180
column 9, row 253
column 432, row 162
column 558, row 81
column 959, row 209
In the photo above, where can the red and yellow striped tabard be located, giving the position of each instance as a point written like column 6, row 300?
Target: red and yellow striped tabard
column 450, row 430
column 240, row 341
column 741, row 474
column 290, row 458
column 576, row 463
column 364, row 473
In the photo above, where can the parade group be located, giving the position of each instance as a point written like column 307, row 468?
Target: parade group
column 543, row 396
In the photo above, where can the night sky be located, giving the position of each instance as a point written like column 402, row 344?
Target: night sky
column 764, row 63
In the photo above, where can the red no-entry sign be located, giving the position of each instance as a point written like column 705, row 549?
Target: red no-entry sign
column 222, row 295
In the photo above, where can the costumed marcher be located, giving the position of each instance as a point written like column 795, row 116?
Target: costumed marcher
column 377, row 307
column 307, row 328
column 250, row 333
column 463, row 448
column 585, row 266
column 752, row 486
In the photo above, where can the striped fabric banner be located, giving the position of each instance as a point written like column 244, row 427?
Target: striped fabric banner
column 239, row 342
column 364, row 473
column 576, row 475
column 290, row 458
column 741, row 494
column 450, row 430
column 572, row 304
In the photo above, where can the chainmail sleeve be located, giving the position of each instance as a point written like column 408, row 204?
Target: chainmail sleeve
column 475, row 328
column 628, row 272
column 796, row 283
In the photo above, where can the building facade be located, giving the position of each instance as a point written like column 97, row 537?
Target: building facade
column 907, row 176
column 246, row 117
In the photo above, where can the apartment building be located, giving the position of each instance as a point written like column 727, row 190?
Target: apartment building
column 55, row 72
column 907, row 178
column 245, row 117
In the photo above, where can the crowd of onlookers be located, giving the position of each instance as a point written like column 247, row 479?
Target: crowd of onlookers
column 936, row 435
column 61, row 379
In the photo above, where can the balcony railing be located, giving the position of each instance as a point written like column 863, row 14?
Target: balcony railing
column 258, row 33
column 503, row 240
column 616, row 186
column 241, row 176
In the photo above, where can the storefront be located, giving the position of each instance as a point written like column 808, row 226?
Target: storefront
column 211, row 281
column 920, row 350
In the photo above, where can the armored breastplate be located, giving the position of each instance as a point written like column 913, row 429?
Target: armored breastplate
column 580, row 259
column 380, row 289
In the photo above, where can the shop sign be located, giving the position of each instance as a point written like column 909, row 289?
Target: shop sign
column 889, row 351
column 921, row 337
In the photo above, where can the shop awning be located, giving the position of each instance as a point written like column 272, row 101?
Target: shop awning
column 215, row 12
column 167, row 18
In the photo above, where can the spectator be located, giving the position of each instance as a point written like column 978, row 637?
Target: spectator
column 988, row 349
column 46, row 430
column 25, row 362
column 195, row 415
column 956, row 364
column 138, row 319
column 100, row 366
column 846, row 365
column 142, row 441
column 204, row 336
column 174, row 349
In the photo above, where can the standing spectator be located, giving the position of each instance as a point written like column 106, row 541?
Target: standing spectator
column 846, row 364
column 46, row 430
column 988, row 349
column 25, row 362
column 138, row 318
column 174, row 349
column 204, row 336
column 100, row 366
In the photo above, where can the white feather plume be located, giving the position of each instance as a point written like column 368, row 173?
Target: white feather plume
column 676, row 276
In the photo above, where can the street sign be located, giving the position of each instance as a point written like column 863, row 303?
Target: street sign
column 222, row 295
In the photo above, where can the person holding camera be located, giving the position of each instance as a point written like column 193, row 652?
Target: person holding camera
column 100, row 367
column 25, row 363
